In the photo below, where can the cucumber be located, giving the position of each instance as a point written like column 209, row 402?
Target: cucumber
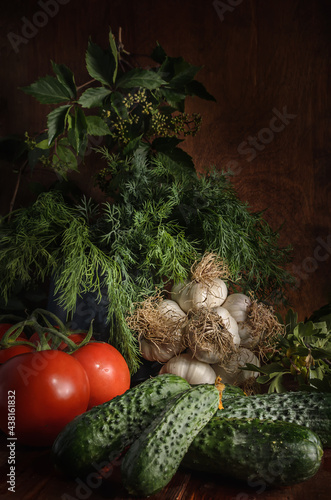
column 310, row 409
column 98, row 436
column 256, row 451
column 155, row 456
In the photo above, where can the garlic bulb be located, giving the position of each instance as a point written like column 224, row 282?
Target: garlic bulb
column 159, row 352
column 191, row 369
column 237, row 304
column 159, row 324
column 194, row 295
column 247, row 339
column 207, row 356
column 229, row 323
column 232, row 372
column 171, row 311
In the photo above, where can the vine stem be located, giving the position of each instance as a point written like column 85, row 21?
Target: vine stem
column 12, row 201
column 85, row 84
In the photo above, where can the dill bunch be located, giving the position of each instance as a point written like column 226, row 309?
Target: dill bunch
column 163, row 219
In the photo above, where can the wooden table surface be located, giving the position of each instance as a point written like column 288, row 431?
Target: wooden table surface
column 36, row 479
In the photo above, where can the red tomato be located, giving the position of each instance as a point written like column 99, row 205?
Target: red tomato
column 47, row 389
column 107, row 370
column 14, row 350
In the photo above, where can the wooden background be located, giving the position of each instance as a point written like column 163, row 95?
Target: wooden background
column 260, row 59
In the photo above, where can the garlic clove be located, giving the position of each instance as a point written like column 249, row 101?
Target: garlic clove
column 159, row 352
column 232, row 372
column 171, row 312
column 229, row 322
column 190, row 368
column 238, row 305
column 246, row 338
column 217, row 293
column 209, row 357
column 195, row 295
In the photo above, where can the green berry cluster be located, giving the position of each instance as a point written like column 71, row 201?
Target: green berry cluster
column 139, row 98
column 184, row 124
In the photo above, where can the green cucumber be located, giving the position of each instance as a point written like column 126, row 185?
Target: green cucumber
column 256, row 451
column 232, row 391
column 100, row 435
column 311, row 409
column 155, row 456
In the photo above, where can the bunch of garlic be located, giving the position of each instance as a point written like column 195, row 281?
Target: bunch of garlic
column 202, row 331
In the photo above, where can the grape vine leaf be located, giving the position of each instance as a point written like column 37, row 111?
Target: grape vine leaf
column 66, row 77
column 48, row 90
column 101, row 64
column 93, row 97
column 96, row 126
column 77, row 131
column 139, row 77
column 56, row 122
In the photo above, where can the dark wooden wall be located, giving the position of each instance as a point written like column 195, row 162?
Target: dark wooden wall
column 266, row 62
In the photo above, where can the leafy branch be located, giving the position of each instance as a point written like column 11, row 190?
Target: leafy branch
column 302, row 356
column 127, row 108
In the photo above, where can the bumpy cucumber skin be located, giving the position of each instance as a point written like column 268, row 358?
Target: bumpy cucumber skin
column 312, row 410
column 268, row 452
column 155, row 456
column 232, row 391
column 101, row 434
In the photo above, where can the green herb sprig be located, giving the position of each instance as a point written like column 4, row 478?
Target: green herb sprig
column 301, row 358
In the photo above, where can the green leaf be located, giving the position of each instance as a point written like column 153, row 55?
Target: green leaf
column 117, row 105
column 184, row 73
column 319, row 353
column 301, row 351
column 304, row 330
column 139, row 77
column 66, row 157
column 198, row 89
column 251, row 367
column 93, row 97
column 158, row 54
column 132, row 145
column 276, row 384
column 113, row 48
column 43, row 144
column 56, row 122
column 96, row 126
column 100, row 63
column 66, row 77
column 178, row 155
column 174, row 98
column 48, row 90
column 263, row 379
column 322, row 327
column 77, row 131
column 271, row 369
column 291, row 320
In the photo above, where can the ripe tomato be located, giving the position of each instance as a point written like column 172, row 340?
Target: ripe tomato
column 107, row 370
column 47, row 389
column 14, row 350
